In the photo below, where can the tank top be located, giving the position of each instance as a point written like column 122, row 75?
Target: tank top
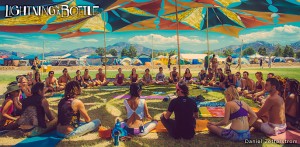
column 187, row 78
column 134, row 79
column 86, row 80
column 139, row 110
column 66, row 115
column 174, row 75
column 120, row 78
column 147, row 78
column 79, row 80
column 36, row 101
column 231, row 79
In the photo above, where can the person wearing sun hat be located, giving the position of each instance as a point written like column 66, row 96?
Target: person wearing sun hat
column 11, row 104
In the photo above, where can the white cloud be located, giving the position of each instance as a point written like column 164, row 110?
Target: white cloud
column 20, row 46
column 286, row 32
column 78, row 40
column 162, row 40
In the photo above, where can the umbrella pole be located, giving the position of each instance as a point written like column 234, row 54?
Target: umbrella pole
column 177, row 34
column 207, row 38
column 104, row 45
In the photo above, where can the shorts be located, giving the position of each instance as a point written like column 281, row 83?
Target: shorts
column 272, row 129
column 235, row 135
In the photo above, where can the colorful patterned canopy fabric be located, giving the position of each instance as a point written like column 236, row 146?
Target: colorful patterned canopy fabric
column 116, row 19
column 223, row 19
column 277, row 6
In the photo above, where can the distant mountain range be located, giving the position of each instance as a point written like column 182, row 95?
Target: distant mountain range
column 144, row 50
column 256, row 45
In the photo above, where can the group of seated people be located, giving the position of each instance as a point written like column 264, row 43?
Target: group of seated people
column 27, row 108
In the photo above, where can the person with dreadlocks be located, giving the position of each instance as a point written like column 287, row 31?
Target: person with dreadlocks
column 34, row 111
column 292, row 104
column 69, row 111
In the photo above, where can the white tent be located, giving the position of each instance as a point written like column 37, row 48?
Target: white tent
column 192, row 56
column 137, row 62
column 256, row 55
column 243, row 61
column 126, row 61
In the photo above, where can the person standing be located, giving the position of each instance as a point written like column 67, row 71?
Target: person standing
column 261, row 63
column 36, row 65
column 186, row 112
column 228, row 62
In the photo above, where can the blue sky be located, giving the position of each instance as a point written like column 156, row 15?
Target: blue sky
column 189, row 40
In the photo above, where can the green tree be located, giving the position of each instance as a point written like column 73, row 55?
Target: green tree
column 262, row 51
column 154, row 54
column 113, row 52
column 172, row 53
column 248, row 51
column 100, row 51
column 291, row 52
column 278, row 51
column 227, row 52
column 124, row 52
column 132, row 52
column 298, row 54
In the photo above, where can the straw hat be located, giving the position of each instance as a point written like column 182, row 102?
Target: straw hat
column 11, row 88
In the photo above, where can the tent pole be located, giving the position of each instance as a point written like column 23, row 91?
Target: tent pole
column 177, row 34
column 240, row 64
column 208, row 52
column 152, row 56
column 104, row 44
column 43, row 56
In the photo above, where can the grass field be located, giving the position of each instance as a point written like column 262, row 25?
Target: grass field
column 102, row 105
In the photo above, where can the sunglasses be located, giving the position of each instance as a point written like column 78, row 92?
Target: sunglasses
column 51, row 73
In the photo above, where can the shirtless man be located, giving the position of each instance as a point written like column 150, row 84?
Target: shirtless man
column 101, row 78
column 64, row 79
column 214, row 63
column 174, row 76
column 247, row 83
column 274, row 108
column 51, row 82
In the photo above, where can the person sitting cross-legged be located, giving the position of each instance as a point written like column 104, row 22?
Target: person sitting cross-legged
column 120, row 79
column 69, row 111
column 186, row 112
column 101, row 78
column 274, row 107
column 34, row 111
column 147, row 78
column 238, row 113
column 137, row 111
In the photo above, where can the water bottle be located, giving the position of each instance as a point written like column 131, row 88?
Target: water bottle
column 116, row 138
